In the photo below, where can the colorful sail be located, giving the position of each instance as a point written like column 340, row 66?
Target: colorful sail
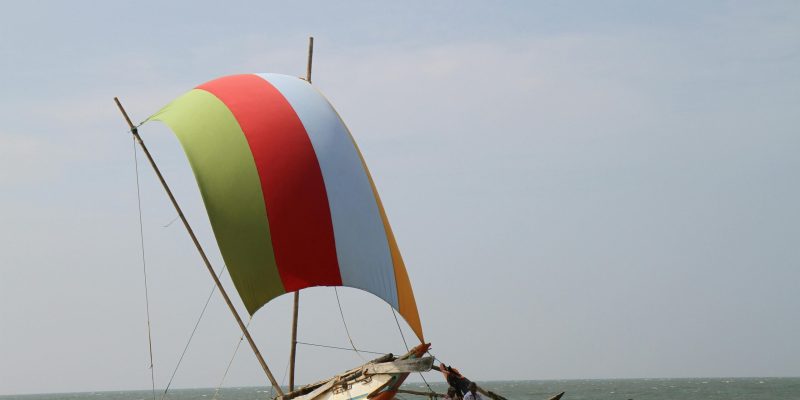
column 289, row 197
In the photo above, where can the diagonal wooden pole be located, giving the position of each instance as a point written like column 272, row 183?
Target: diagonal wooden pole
column 295, row 309
column 227, row 298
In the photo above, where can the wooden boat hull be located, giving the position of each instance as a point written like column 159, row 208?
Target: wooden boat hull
column 372, row 386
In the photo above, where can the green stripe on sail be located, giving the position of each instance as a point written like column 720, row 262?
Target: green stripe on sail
column 226, row 173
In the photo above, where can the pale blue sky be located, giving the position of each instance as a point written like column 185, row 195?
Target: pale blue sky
column 580, row 190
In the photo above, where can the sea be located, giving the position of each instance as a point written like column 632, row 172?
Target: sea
column 594, row 389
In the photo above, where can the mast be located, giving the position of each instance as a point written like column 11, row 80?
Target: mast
column 200, row 250
column 293, row 349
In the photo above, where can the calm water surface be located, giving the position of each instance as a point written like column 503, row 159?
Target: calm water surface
column 595, row 389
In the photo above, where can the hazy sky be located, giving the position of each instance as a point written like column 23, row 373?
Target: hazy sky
column 579, row 190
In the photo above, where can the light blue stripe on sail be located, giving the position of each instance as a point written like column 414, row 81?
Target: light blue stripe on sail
column 365, row 261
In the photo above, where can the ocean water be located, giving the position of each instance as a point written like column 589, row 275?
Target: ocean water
column 594, row 389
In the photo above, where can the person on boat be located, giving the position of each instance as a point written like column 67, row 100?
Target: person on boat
column 452, row 394
column 455, row 379
column 472, row 393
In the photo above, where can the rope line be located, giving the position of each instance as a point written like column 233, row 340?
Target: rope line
column 345, row 325
column 396, row 321
column 170, row 222
column 426, row 383
column 144, row 271
column 434, row 357
column 337, row 348
column 228, row 368
column 194, row 330
column 283, row 380
column 406, row 344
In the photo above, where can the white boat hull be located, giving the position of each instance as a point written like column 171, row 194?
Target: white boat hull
column 358, row 389
column 376, row 380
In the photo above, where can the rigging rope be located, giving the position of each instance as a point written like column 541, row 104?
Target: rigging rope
column 144, row 271
column 406, row 344
column 345, row 325
column 170, row 222
column 285, row 372
column 434, row 357
column 228, row 368
column 396, row 321
column 194, row 330
column 337, row 348
column 426, row 383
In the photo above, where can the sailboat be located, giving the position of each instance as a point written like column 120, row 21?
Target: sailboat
column 292, row 205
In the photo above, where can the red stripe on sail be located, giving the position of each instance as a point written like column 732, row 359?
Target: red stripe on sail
column 291, row 180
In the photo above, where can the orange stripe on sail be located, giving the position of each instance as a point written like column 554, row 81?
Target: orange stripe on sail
column 405, row 296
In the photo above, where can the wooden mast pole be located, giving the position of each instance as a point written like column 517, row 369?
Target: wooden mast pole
column 310, row 58
column 246, row 333
column 293, row 349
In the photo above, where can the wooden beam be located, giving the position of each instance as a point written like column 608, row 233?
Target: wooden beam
column 433, row 394
column 400, row 366
column 490, row 394
column 310, row 58
column 418, row 393
column 293, row 350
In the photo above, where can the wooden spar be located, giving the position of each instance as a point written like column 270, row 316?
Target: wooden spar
column 293, row 349
column 246, row 333
column 433, row 394
column 310, row 58
column 418, row 393
column 400, row 366
column 490, row 394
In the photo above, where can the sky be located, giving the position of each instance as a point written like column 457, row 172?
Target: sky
column 579, row 189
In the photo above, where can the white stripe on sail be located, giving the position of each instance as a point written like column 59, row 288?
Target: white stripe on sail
column 365, row 261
